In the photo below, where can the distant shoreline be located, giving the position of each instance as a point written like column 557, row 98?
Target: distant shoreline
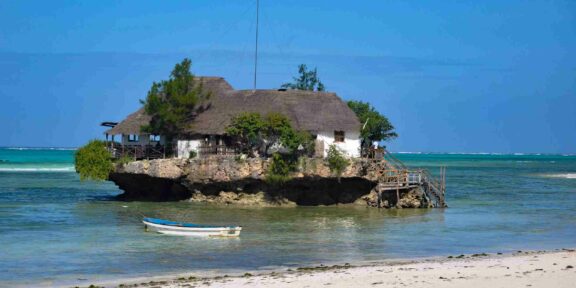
column 393, row 152
column 553, row 268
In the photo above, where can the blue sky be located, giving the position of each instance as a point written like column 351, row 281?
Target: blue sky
column 452, row 76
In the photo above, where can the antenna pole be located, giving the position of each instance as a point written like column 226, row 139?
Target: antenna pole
column 256, row 50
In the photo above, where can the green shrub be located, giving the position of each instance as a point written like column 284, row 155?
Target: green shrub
column 192, row 154
column 337, row 162
column 93, row 161
column 314, row 164
column 279, row 165
column 279, row 170
column 301, row 166
column 277, row 179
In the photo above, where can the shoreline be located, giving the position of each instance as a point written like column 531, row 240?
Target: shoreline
column 551, row 268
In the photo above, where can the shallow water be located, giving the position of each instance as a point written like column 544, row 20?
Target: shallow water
column 55, row 229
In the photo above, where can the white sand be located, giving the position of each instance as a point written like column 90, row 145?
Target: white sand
column 527, row 269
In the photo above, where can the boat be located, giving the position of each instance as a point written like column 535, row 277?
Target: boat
column 187, row 229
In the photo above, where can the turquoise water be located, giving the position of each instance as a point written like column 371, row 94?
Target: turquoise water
column 56, row 230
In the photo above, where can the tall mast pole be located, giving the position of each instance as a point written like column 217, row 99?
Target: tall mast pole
column 256, row 50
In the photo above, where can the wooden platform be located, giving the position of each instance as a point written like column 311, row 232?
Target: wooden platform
column 396, row 177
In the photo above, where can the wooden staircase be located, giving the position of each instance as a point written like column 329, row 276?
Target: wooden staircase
column 396, row 176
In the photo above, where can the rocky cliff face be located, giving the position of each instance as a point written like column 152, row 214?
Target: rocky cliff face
column 230, row 181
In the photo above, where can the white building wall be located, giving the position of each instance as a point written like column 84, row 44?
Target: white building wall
column 143, row 139
column 186, row 146
column 350, row 146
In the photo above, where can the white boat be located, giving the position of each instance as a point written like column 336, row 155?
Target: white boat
column 188, row 229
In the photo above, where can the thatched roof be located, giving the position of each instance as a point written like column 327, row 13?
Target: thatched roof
column 132, row 123
column 308, row 110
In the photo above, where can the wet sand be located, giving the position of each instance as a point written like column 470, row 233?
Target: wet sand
column 521, row 269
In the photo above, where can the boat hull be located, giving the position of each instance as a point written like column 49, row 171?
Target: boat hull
column 193, row 231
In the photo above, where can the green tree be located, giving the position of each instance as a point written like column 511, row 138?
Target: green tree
column 337, row 162
column 253, row 131
column 247, row 128
column 277, row 129
column 307, row 80
column 299, row 142
column 376, row 126
column 93, row 161
column 173, row 103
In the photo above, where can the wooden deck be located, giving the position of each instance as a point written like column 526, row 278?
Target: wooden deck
column 139, row 152
column 396, row 176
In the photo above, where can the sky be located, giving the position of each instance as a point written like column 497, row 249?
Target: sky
column 452, row 76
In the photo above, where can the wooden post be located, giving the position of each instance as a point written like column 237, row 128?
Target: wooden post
column 443, row 173
column 444, row 181
column 407, row 178
column 440, row 180
column 398, row 190
column 440, row 175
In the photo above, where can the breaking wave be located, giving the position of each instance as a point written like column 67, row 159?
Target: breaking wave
column 484, row 153
column 39, row 148
column 37, row 169
column 562, row 175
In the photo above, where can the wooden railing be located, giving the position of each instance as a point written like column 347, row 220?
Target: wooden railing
column 393, row 161
column 397, row 176
column 435, row 190
column 206, row 149
column 139, row 152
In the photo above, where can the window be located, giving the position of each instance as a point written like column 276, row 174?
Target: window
column 133, row 138
column 339, row 136
column 154, row 138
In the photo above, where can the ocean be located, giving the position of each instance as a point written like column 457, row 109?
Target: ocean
column 57, row 230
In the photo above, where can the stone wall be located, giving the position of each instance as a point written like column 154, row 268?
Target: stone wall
column 236, row 181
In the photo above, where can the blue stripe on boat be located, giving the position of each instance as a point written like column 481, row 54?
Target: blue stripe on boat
column 181, row 224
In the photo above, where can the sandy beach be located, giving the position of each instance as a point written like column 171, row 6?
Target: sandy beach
column 520, row 269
